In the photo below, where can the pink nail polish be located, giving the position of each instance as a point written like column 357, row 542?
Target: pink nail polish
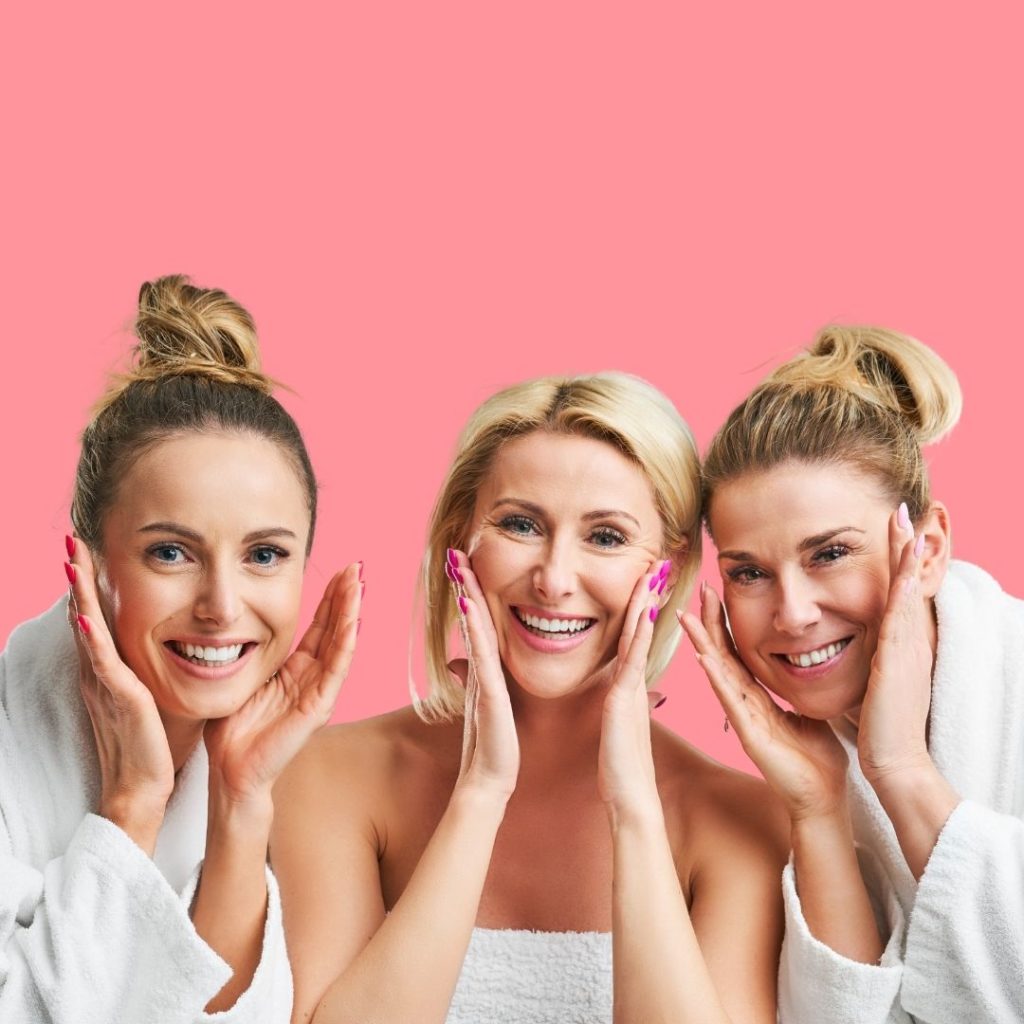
column 452, row 558
column 661, row 588
column 655, row 580
column 903, row 516
column 654, row 612
column 69, row 543
column 362, row 589
column 660, row 702
column 919, row 545
column 360, row 576
column 83, row 624
column 448, row 572
column 463, row 604
column 666, row 568
column 69, row 570
column 459, row 578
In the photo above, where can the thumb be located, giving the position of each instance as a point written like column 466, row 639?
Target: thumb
column 459, row 667
column 655, row 699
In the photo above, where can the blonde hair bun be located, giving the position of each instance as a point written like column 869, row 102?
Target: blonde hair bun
column 885, row 368
column 182, row 329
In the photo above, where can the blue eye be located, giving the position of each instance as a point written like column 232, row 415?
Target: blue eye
column 167, row 554
column 267, row 557
column 521, row 526
column 606, row 537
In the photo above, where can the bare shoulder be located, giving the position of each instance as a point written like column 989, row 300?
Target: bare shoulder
column 714, row 813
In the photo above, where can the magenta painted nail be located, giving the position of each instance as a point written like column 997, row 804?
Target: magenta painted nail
column 654, row 612
column 655, row 580
column 448, row 572
column 660, row 702
column 457, row 573
column 666, row 568
column 69, row 570
column 69, row 543
column 83, row 624
column 452, row 558
column 463, row 604
column 662, row 586
column 919, row 545
column 903, row 516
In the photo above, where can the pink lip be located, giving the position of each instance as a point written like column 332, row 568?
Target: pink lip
column 202, row 671
column 543, row 644
column 812, row 671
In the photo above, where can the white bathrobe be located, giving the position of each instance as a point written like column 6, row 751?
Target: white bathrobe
column 955, row 951
column 92, row 931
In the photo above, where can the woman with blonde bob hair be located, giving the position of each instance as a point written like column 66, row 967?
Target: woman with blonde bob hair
column 524, row 845
column 900, row 763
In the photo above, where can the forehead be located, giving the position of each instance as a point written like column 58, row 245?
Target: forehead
column 782, row 506
column 566, row 473
column 212, row 480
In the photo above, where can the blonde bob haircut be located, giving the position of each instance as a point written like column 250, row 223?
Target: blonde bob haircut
column 864, row 396
column 622, row 410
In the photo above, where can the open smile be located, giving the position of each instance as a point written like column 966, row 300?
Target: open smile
column 218, row 655
column 551, row 633
column 817, row 661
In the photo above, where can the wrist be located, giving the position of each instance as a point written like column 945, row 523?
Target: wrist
column 638, row 815
column 895, row 779
column 139, row 819
column 479, row 800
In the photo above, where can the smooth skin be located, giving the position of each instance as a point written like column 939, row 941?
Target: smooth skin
column 556, row 804
column 206, row 543
column 833, row 562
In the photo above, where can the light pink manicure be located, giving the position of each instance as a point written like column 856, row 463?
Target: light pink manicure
column 903, row 516
column 919, row 545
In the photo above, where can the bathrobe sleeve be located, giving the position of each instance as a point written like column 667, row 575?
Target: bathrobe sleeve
column 962, row 956
column 98, row 936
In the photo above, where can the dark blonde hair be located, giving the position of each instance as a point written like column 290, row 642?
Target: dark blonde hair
column 865, row 396
column 621, row 410
column 196, row 367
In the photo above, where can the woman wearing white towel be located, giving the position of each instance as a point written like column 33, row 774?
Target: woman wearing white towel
column 531, row 848
column 144, row 720
column 902, row 762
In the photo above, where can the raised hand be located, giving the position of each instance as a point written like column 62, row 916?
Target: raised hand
column 490, row 748
column 625, row 764
column 249, row 749
column 799, row 757
column 892, row 728
column 136, row 767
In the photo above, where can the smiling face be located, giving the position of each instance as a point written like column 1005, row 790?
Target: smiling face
column 804, row 556
column 201, row 572
column 564, row 527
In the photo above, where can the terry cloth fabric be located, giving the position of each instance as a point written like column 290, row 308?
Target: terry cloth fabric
column 92, row 931
column 955, row 951
column 524, row 977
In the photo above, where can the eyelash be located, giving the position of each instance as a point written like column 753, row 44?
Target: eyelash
column 279, row 554
column 745, row 574
column 510, row 522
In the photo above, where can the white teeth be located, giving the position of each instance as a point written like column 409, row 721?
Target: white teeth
column 554, row 625
column 210, row 655
column 809, row 658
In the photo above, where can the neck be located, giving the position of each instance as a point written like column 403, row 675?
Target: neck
column 183, row 735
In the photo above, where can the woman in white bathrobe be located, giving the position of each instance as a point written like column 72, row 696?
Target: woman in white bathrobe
column 902, row 761
column 145, row 718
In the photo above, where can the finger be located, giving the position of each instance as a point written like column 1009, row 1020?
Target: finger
column 482, row 634
column 314, row 635
column 339, row 647
column 92, row 631
column 655, row 699
column 740, row 699
column 632, row 671
column 904, row 604
column 901, row 531
column 644, row 596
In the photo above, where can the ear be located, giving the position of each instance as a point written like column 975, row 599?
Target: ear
column 937, row 540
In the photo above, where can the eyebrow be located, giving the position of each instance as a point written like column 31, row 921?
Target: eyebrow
column 603, row 513
column 184, row 531
column 807, row 544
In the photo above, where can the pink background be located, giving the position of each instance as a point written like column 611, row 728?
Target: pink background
column 421, row 203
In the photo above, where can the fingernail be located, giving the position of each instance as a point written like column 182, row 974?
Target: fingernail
column 452, row 558
column 653, row 612
column 69, row 569
column 660, row 702
column 83, row 624
column 362, row 590
column 448, row 572
column 919, row 545
column 463, row 605
column 666, row 568
column 360, row 576
column 903, row 516
column 664, row 584
column 459, row 578
column 655, row 580
column 359, row 626
column 69, row 543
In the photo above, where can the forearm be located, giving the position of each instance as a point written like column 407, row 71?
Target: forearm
column 658, row 969
column 832, row 892
column 918, row 802
column 408, row 970
column 230, row 906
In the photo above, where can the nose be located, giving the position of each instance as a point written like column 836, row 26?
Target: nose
column 555, row 574
column 797, row 606
column 218, row 600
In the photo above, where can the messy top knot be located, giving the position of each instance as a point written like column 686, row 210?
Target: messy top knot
column 196, row 367
column 861, row 395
